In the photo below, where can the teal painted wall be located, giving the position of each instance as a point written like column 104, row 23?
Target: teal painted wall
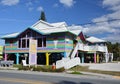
column 11, row 45
column 68, row 43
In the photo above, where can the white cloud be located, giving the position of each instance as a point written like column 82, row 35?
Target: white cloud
column 40, row 8
column 111, row 2
column 55, row 5
column 9, row 2
column 113, row 37
column 67, row 3
column 112, row 5
column 30, row 8
column 29, row 4
column 111, row 28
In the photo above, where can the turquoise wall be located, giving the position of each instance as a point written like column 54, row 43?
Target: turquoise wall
column 62, row 45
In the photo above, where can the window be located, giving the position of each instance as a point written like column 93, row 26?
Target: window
column 39, row 42
column 44, row 42
column 19, row 44
column 27, row 43
column 28, row 34
column 23, row 43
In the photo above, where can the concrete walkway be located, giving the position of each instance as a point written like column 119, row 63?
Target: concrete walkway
column 103, row 66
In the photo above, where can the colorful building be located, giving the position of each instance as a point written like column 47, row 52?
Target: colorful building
column 45, row 43
column 1, row 52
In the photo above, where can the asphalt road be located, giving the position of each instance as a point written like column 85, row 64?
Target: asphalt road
column 27, row 77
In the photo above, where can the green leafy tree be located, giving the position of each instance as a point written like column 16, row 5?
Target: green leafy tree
column 110, row 46
column 115, row 49
column 42, row 17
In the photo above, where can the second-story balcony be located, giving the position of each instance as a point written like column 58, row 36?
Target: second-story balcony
column 93, row 48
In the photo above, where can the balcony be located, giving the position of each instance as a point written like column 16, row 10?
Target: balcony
column 83, row 47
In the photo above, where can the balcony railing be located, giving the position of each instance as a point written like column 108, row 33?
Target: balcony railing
column 93, row 48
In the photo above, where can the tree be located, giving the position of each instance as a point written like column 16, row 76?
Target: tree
column 42, row 17
column 115, row 49
column 110, row 46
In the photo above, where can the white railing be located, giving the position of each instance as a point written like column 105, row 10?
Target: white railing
column 86, row 48
column 74, row 51
column 92, row 48
column 72, row 62
column 81, row 46
column 103, row 49
column 61, row 63
column 67, row 63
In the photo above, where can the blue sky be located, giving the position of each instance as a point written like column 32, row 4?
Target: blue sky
column 17, row 15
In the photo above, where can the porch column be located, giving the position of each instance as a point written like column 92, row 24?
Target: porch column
column 95, row 57
column 5, row 58
column 77, row 54
column 65, row 55
column 47, row 58
column 17, row 58
column 82, row 57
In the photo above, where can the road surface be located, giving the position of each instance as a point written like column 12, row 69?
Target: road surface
column 27, row 77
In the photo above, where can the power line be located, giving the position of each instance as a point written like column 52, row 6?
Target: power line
column 72, row 25
column 99, row 22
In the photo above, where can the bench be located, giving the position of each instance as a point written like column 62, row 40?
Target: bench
column 6, row 63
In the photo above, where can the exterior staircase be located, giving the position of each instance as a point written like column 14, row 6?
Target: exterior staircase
column 68, row 63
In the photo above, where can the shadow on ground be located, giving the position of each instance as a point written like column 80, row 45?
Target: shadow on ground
column 70, row 82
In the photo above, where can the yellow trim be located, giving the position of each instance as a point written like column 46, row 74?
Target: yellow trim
column 47, row 58
column 97, row 58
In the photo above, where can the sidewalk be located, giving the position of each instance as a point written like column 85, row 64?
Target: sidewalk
column 103, row 66
column 94, row 74
column 8, row 68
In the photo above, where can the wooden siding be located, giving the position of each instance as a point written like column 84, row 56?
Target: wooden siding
column 62, row 46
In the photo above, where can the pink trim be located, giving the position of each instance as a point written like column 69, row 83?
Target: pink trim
column 77, row 54
column 5, row 58
column 94, row 57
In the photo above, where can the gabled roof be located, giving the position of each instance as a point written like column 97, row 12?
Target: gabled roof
column 13, row 35
column 82, row 37
column 48, row 28
column 76, row 32
column 94, row 40
column 41, row 25
column 59, row 24
column 44, row 28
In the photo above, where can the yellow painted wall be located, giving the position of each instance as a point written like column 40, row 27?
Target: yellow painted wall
column 1, row 52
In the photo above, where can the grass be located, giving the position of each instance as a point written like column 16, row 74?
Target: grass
column 76, row 69
column 85, row 69
column 76, row 72
column 38, row 68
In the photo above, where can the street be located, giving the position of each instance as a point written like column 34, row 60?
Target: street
column 28, row 77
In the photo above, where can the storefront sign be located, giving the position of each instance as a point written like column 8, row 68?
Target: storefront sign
column 33, row 52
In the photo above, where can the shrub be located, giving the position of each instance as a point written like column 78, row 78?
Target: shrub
column 24, row 68
column 59, row 70
column 38, row 68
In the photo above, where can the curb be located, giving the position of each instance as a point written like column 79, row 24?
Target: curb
column 8, row 68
